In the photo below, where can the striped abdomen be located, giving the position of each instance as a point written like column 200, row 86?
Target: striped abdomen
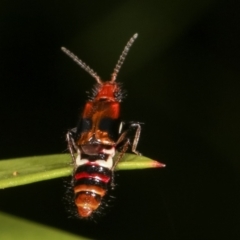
column 91, row 181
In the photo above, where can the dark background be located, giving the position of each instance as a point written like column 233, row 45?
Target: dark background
column 183, row 81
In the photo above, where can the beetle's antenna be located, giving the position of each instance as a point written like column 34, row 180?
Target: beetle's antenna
column 122, row 57
column 82, row 64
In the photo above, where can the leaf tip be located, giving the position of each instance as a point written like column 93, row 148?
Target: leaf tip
column 157, row 164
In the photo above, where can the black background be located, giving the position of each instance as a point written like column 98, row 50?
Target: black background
column 183, row 81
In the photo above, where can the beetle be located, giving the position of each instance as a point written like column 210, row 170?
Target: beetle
column 99, row 134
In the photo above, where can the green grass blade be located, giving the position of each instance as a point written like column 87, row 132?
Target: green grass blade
column 13, row 228
column 132, row 162
column 20, row 171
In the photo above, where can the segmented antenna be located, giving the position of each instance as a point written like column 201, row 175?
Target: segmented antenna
column 82, row 64
column 122, row 57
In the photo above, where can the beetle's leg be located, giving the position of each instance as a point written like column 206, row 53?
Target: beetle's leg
column 122, row 137
column 127, row 127
column 136, row 137
column 71, row 143
column 120, row 155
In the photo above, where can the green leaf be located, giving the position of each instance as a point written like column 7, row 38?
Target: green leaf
column 20, row 171
column 132, row 162
column 13, row 228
